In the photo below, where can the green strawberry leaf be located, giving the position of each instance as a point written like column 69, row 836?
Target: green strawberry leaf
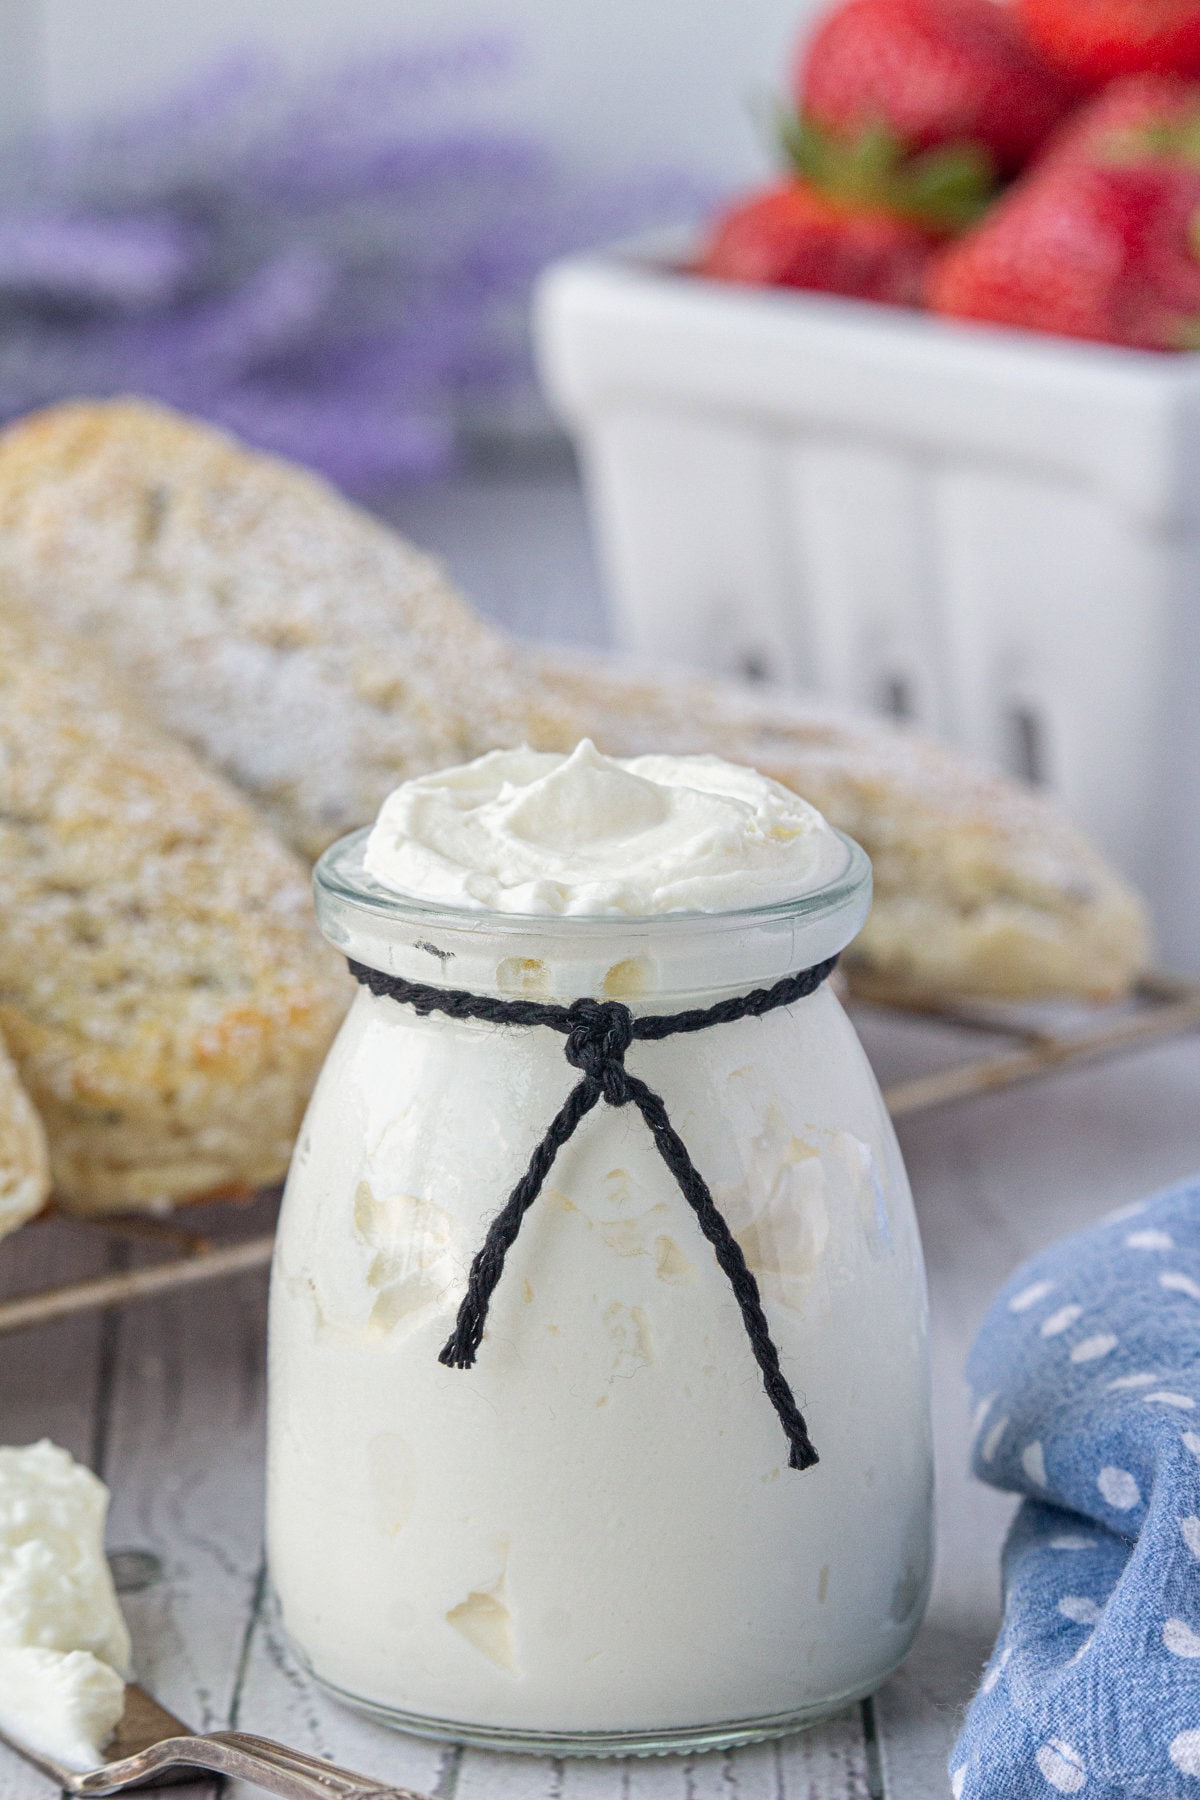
column 851, row 168
column 949, row 187
column 1187, row 334
column 944, row 189
column 808, row 151
column 1164, row 140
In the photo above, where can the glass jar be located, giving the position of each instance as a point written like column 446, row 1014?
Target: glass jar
column 591, row 1541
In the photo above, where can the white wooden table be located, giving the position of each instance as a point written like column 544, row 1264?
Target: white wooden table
column 165, row 1398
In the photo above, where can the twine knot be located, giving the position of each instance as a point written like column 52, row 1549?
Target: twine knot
column 600, row 1034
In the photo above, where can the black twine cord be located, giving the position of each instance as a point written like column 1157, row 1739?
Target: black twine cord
column 598, row 1033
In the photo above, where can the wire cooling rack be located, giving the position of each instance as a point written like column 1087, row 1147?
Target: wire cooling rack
column 1033, row 1044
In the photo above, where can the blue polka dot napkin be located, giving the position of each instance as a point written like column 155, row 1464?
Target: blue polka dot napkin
column 1086, row 1380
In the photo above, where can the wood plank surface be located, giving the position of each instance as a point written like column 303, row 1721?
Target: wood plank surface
column 184, row 1460
column 827, row 1763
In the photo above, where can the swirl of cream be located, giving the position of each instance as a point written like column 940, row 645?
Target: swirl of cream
column 533, row 832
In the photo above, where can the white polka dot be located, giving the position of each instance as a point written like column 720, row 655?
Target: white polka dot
column 1189, row 1531
column 1119, row 1488
column 1062, row 1320
column 1177, row 1283
column 991, row 1442
column 1062, row 1766
column 1030, row 1296
column 1150, row 1239
column 1033, row 1462
column 1164, row 1397
column 956, row 1781
column 1093, row 1348
column 1069, row 1542
column 1185, row 1752
column 990, row 1679
column 1191, row 1441
column 983, row 1408
column 1079, row 1609
column 1131, row 1381
column 1180, row 1639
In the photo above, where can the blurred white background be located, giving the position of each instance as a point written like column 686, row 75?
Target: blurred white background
column 613, row 83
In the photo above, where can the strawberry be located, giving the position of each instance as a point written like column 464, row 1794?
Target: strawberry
column 792, row 235
column 1101, row 239
column 1096, row 40
column 931, row 73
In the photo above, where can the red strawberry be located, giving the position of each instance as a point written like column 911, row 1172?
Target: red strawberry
column 793, row 236
column 931, row 73
column 1095, row 40
column 1099, row 240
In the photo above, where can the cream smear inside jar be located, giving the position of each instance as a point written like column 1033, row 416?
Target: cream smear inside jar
column 598, row 1537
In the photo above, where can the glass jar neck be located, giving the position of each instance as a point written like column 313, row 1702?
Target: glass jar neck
column 642, row 961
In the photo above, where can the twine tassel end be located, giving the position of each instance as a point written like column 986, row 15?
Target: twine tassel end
column 803, row 1454
column 455, row 1355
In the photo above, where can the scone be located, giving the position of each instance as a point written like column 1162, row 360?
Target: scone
column 318, row 660
column 306, row 650
column 24, row 1164
column 163, row 990
column 981, row 885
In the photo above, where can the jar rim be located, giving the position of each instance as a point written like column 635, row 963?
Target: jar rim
column 340, row 876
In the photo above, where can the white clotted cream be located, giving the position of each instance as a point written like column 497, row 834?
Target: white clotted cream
column 524, row 831
column 64, row 1647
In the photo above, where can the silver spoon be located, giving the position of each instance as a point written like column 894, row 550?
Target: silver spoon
column 150, row 1742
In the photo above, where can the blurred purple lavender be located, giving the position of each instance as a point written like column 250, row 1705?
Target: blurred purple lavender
column 326, row 268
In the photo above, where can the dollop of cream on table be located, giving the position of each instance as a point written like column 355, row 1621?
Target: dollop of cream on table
column 527, row 831
column 64, row 1646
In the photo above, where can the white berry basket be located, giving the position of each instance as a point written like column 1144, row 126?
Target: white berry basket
column 992, row 533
